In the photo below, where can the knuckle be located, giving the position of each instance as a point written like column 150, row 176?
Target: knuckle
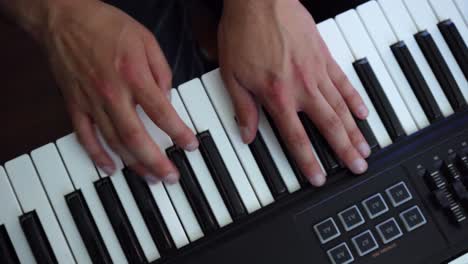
column 104, row 89
column 341, row 80
column 340, row 107
column 165, row 79
column 276, row 94
column 298, row 139
column 332, row 124
column 130, row 72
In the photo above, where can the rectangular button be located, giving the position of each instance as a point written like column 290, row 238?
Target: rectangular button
column 341, row 52
column 267, row 167
column 405, row 29
column 32, row 197
column 10, row 208
column 327, row 230
column 222, row 103
column 456, row 44
column 416, row 80
column 375, row 205
column 204, row 118
column 389, row 230
column 351, row 218
column 380, row 99
column 363, row 47
column 340, row 254
column 383, row 37
column 150, row 212
column 200, row 169
column 37, row 238
column 425, row 19
column 441, row 69
column 365, row 243
column 399, row 194
column 119, row 221
column 7, row 252
column 413, row 218
column 193, row 191
column 87, row 228
column 221, row 176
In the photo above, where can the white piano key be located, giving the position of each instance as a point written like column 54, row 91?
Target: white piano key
column 201, row 171
column 57, row 185
column 277, row 154
column 31, row 195
column 10, row 210
column 425, row 19
column 223, row 106
column 115, row 158
column 341, row 53
column 134, row 216
column 218, row 94
column 83, row 175
column 447, row 10
column 204, row 118
column 463, row 259
column 175, row 191
column 362, row 47
column 462, row 6
column 405, row 29
column 383, row 37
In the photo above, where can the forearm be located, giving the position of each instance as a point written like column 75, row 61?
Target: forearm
column 37, row 17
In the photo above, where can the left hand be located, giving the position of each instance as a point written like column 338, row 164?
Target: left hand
column 271, row 50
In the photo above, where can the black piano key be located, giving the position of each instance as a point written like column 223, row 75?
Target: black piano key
column 119, row 221
column 441, row 70
column 150, row 212
column 300, row 177
column 268, row 167
column 417, row 82
column 221, row 176
column 87, row 228
column 378, row 97
column 456, row 44
column 192, row 189
column 324, row 152
column 368, row 134
column 37, row 238
column 7, row 251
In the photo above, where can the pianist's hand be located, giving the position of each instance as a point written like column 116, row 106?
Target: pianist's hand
column 106, row 63
column 272, row 51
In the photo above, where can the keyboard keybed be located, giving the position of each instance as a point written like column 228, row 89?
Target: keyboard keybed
column 407, row 60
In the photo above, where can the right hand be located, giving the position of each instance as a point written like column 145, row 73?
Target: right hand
column 105, row 64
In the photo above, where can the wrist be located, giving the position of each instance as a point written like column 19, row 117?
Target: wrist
column 39, row 17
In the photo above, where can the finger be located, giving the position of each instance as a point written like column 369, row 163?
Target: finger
column 291, row 130
column 138, row 143
column 245, row 108
column 88, row 139
column 347, row 91
column 158, row 65
column 141, row 171
column 332, row 128
column 336, row 101
column 163, row 114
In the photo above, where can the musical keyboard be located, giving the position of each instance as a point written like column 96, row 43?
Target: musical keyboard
column 238, row 203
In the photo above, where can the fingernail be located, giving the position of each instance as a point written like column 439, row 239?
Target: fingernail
column 358, row 166
column 151, row 179
column 245, row 133
column 317, row 180
column 109, row 170
column 362, row 111
column 169, row 96
column 192, row 146
column 171, row 178
column 364, row 149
